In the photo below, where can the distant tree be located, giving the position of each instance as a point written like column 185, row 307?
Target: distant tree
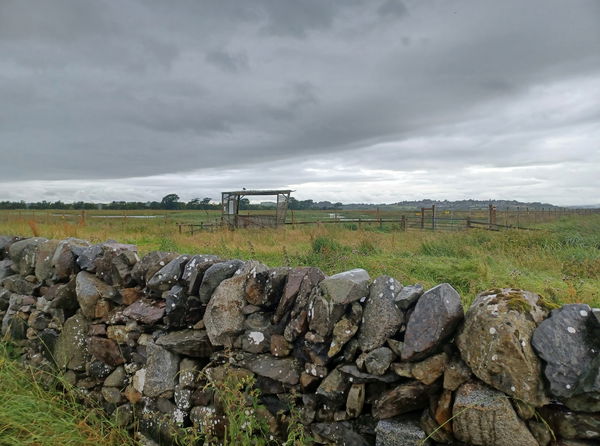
column 170, row 201
column 244, row 204
column 206, row 200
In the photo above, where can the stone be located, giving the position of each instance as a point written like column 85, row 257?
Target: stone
column 484, row 416
column 540, row 431
column 430, row 369
column 194, row 270
column 117, row 378
column 565, row 342
column 333, row 390
column 86, row 259
column 283, row 370
column 123, row 415
column 145, row 311
column 19, row 285
column 23, row 253
column 264, row 288
column 340, row 433
column 433, row 430
column 255, row 341
column 6, row 269
column 224, row 318
column 402, row 399
column 5, row 242
column 279, row 346
column 64, row 260
column 345, row 329
column 114, row 262
column 408, row 296
column 434, row 319
column 347, row 287
column 357, row 376
column 89, row 289
column 105, row 350
column 456, row 373
column 112, row 395
column 130, row 295
column 194, row 343
column 355, row 400
column 443, row 411
column 402, row 369
column 161, row 371
column 503, row 322
column 291, row 289
column 381, row 318
column 183, row 398
column 188, row 372
column 572, row 425
column 214, row 275
column 71, row 351
column 378, row 361
column 150, row 264
column 43, row 259
column 400, row 432
column 168, row 275
column 323, row 314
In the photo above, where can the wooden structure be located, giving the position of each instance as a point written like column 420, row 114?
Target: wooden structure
column 230, row 208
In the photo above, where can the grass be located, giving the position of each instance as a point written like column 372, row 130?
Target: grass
column 33, row 415
column 561, row 262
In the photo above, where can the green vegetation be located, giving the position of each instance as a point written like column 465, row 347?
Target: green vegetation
column 33, row 414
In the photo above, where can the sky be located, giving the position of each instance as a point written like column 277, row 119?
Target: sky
column 349, row 100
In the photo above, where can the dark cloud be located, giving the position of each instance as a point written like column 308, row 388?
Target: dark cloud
column 102, row 92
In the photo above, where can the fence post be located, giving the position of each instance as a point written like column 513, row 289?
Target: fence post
column 422, row 218
column 403, row 222
column 433, row 217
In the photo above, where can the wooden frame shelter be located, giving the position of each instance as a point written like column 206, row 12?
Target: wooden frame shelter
column 230, row 208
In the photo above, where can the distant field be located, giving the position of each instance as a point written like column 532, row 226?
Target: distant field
column 562, row 261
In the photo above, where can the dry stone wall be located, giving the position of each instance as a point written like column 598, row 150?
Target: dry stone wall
column 365, row 361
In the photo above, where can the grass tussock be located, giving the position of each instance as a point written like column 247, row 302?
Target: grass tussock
column 32, row 414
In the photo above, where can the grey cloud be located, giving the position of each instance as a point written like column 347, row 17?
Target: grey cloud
column 115, row 91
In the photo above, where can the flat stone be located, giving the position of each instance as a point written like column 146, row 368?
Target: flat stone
column 194, row 270
column 430, row 369
column 284, row 370
column 194, row 343
column 333, row 390
column 503, row 322
column 347, row 287
column 117, row 378
column 381, row 317
column 437, row 314
column 64, row 260
column 355, row 375
column 112, row 395
column 565, row 342
column 160, row 372
column 402, row 399
column 345, row 329
column 484, row 416
column 145, row 311
column 224, row 318
column 456, row 373
column 43, row 260
column 279, row 346
column 400, row 432
column 355, row 400
column 340, row 433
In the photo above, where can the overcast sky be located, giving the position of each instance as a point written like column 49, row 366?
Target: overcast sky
column 347, row 100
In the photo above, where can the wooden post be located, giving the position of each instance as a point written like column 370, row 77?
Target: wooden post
column 468, row 222
column 518, row 212
column 422, row 218
column 433, row 217
column 403, row 220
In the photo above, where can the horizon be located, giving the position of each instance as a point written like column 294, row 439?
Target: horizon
column 357, row 102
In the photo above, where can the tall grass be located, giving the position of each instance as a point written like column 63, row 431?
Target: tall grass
column 33, row 415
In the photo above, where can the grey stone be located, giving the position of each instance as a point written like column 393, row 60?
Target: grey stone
column 20, row 285
column 23, row 254
column 456, row 373
column 347, row 287
column 194, row 270
column 340, row 433
column 430, row 369
column 378, row 361
column 355, row 400
column 168, row 275
column 437, row 314
column 145, row 311
column 484, row 416
column 408, row 296
column 565, row 342
column 400, row 432
column 71, row 350
column 89, row 290
column 572, row 425
column 264, row 288
column 87, row 257
column 284, row 370
column 188, row 372
column 43, row 259
column 161, row 371
column 194, row 343
column 381, row 318
column 503, row 322
column 345, row 329
column 150, row 264
column 116, row 378
column 216, row 274
column 333, row 390
column 112, row 395
column 323, row 314
column 6, row 269
column 64, row 260
column 357, row 376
